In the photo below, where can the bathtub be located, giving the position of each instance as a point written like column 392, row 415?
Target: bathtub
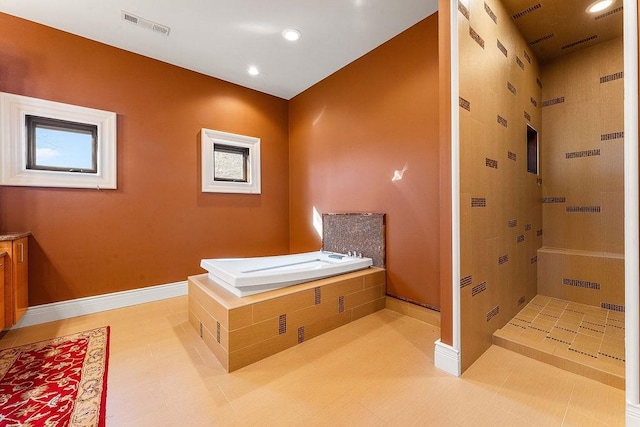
column 248, row 276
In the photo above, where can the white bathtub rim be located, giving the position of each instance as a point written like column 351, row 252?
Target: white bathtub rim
column 229, row 270
column 245, row 291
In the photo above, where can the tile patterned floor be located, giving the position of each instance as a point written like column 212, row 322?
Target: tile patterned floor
column 585, row 339
column 375, row 371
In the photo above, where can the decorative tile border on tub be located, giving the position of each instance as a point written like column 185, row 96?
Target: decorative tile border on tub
column 282, row 324
column 363, row 233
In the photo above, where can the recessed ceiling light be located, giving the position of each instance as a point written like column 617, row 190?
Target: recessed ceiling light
column 253, row 70
column 600, row 5
column 291, row 34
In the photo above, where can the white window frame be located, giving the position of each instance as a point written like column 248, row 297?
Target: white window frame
column 13, row 144
column 211, row 137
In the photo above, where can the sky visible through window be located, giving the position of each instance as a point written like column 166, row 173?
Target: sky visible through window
column 62, row 148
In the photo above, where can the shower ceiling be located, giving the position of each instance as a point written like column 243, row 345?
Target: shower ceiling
column 557, row 27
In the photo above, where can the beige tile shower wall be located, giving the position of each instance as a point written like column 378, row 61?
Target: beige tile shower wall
column 582, row 170
column 586, row 277
column 501, row 214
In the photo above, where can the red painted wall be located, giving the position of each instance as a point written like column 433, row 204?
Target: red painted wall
column 157, row 225
column 347, row 136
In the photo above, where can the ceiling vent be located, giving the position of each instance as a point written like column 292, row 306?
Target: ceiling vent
column 145, row 23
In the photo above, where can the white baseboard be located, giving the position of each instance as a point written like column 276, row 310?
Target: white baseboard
column 81, row 306
column 447, row 358
column 632, row 415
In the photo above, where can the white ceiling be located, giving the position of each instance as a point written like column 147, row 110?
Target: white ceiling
column 222, row 38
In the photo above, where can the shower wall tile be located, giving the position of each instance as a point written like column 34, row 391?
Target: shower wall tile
column 590, row 82
column 612, row 225
column 498, row 81
column 565, row 273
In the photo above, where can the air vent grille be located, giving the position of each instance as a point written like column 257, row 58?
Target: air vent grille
column 145, row 23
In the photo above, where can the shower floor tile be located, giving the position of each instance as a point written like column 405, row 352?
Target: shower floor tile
column 576, row 337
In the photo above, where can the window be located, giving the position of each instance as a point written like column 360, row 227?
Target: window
column 532, row 150
column 51, row 144
column 230, row 163
column 60, row 145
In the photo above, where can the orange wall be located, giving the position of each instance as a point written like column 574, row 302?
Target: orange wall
column 347, row 136
column 157, row 225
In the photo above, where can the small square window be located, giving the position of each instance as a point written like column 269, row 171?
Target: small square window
column 230, row 163
column 51, row 144
column 60, row 145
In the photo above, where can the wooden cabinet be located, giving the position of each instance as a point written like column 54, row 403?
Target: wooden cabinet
column 16, row 276
column 2, row 317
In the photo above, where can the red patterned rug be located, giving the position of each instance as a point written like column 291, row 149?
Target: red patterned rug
column 57, row 382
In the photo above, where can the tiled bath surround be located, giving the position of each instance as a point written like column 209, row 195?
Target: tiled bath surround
column 240, row 331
